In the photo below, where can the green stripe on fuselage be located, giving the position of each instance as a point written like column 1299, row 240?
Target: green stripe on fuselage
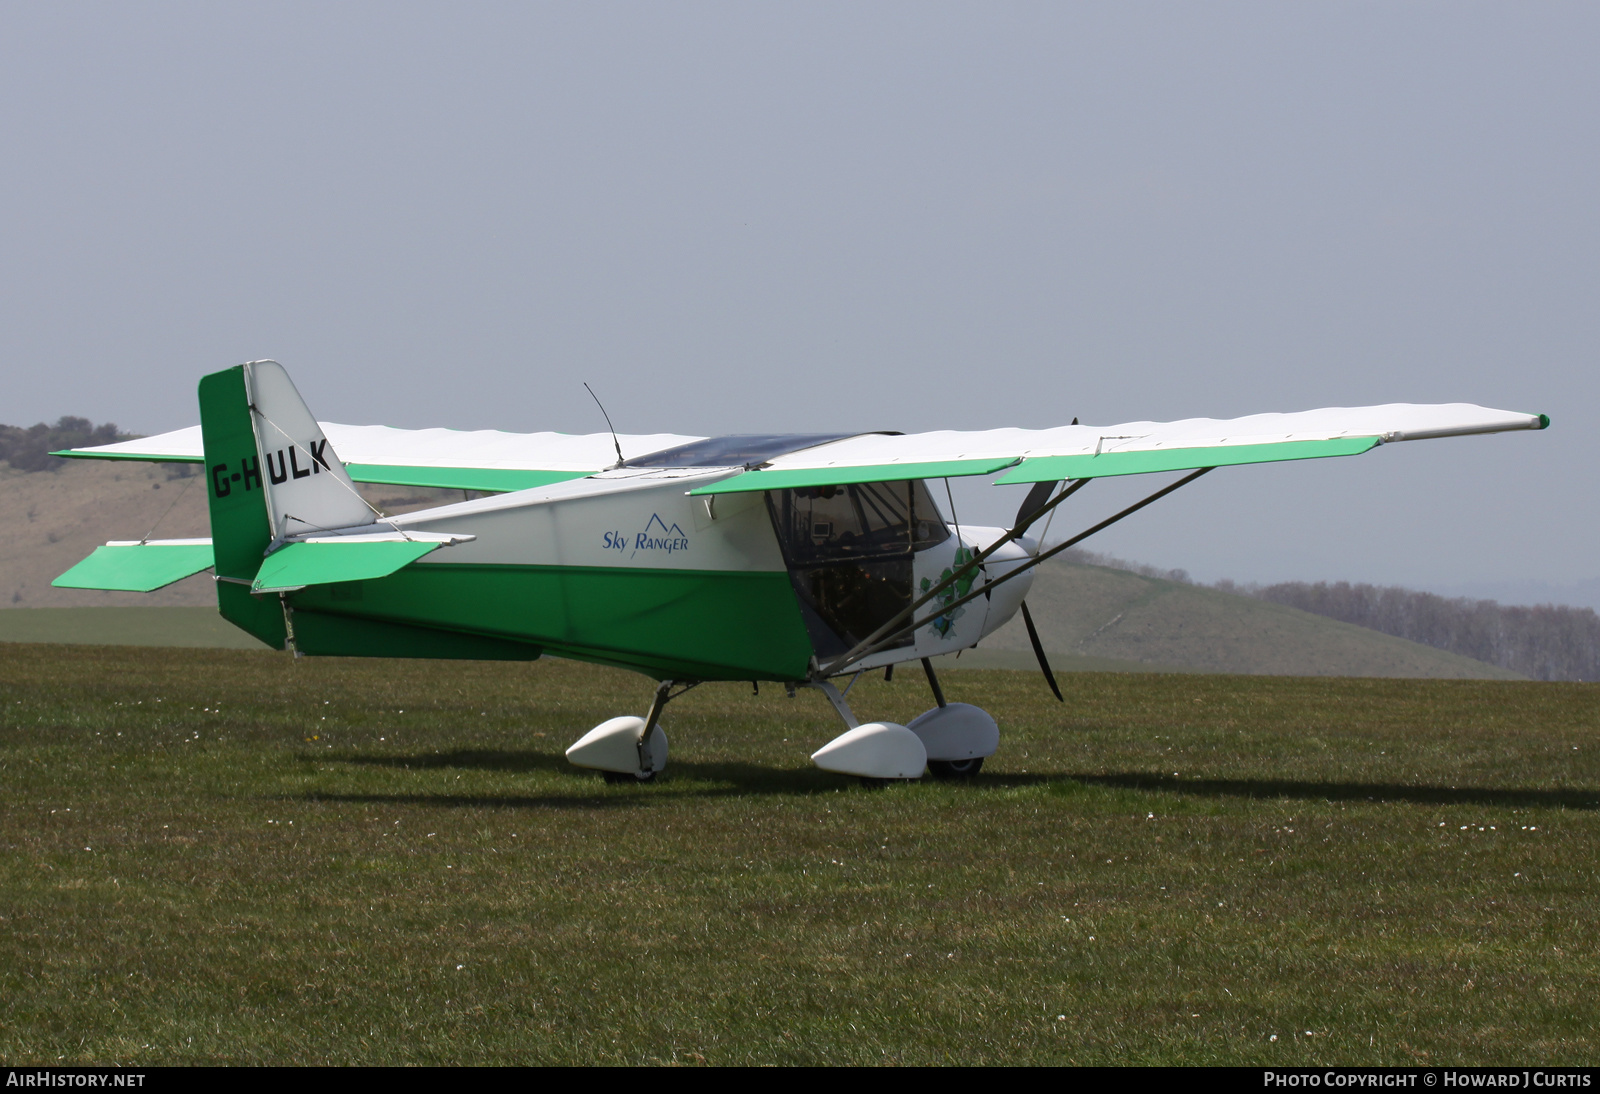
column 678, row 624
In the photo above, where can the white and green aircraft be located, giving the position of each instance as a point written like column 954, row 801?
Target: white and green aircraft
column 796, row 558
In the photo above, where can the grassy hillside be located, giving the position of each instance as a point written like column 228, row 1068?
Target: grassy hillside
column 1095, row 611
column 49, row 520
column 213, row 856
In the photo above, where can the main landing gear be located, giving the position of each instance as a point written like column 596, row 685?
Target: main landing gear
column 629, row 749
column 949, row 742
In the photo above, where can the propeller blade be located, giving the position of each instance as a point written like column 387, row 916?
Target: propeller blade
column 1036, row 497
column 1038, row 651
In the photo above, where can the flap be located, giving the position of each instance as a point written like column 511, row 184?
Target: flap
column 1107, row 464
column 329, row 560
column 360, row 535
column 795, row 478
column 134, row 567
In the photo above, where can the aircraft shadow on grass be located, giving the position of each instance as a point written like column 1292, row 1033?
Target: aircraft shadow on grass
column 719, row 780
column 682, row 779
column 1585, row 799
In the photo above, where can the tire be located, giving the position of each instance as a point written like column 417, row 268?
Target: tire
column 626, row 778
column 955, row 769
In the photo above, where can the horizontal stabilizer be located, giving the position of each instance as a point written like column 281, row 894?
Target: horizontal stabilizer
column 135, row 567
column 332, row 559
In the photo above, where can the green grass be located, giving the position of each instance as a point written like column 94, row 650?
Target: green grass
column 222, row 856
column 201, row 627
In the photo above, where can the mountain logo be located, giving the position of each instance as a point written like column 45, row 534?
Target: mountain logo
column 658, row 536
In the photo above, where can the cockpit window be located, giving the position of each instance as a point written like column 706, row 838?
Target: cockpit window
column 822, row 524
column 735, row 450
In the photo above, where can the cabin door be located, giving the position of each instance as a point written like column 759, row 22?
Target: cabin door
column 849, row 552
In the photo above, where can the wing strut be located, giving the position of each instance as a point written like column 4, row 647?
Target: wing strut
column 875, row 642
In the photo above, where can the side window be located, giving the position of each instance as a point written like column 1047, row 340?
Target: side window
column 823, row 524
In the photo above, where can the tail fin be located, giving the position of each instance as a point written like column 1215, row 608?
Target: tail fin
column 270, row 474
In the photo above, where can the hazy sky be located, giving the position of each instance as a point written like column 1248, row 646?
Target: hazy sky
column 746, row 217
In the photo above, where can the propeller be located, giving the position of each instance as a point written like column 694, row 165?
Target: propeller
column 1038, row 651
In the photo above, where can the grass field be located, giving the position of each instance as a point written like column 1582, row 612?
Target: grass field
column 118, row 626
column 227, row 856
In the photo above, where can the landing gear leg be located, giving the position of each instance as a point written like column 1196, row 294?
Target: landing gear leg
column 629, row 749
column 648, row 764
column 933, row 682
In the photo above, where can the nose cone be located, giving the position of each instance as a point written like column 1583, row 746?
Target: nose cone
column 1007, row 597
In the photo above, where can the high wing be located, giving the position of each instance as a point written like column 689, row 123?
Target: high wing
column 483, row 459
column 1090, row 451
column 492, row 460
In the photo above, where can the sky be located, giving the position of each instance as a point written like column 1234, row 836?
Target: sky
column 738, row 218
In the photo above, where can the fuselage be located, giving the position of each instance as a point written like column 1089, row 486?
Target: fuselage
column 626, row 568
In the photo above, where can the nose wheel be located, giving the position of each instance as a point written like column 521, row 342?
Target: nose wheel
column 955, row 769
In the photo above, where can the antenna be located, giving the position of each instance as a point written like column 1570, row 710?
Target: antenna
column 607, row 417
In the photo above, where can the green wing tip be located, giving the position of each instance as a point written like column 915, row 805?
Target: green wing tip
column 1544, row 421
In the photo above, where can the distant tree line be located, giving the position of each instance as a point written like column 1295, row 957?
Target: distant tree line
column 28, row 448
column 1547, row 642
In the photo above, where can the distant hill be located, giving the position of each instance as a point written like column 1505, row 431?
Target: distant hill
column 1108, row 614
